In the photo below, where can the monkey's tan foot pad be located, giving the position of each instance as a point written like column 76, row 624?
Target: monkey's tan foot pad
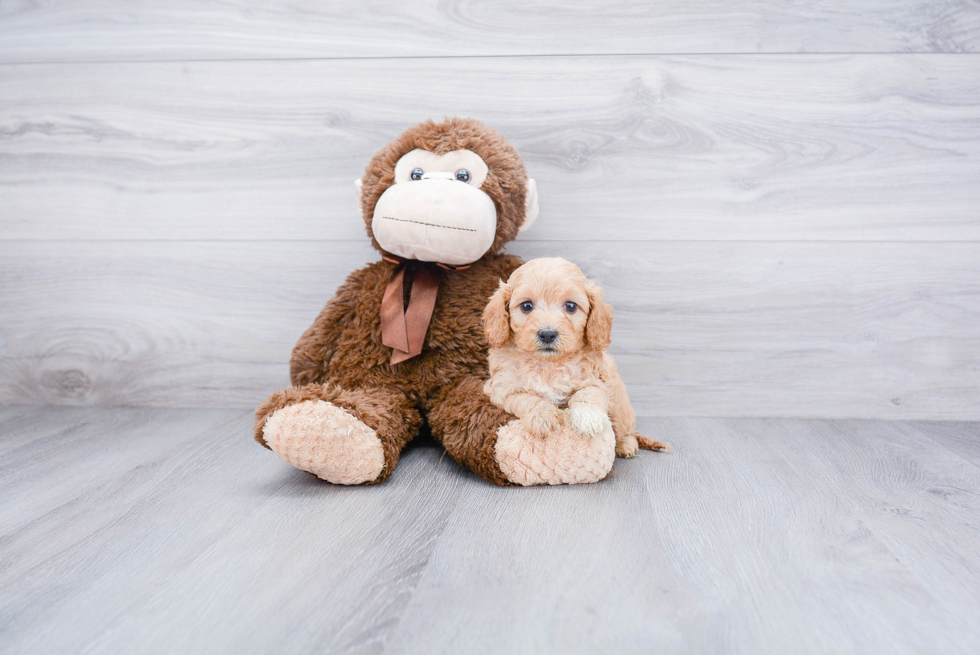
column 327, row 441
column 565, row 457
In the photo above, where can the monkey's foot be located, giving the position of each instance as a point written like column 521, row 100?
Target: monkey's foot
column 565, row 457
column 327, row 441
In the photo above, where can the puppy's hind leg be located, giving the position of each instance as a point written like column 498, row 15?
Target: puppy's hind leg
column 650, row 444
column 630, row 443
column 628, row 440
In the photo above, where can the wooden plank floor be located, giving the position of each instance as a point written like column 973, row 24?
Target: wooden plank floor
column 169, row 530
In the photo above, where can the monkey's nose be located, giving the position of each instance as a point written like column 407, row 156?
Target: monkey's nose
column 547, row 336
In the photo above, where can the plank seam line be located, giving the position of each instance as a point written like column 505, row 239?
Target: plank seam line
column 965, row 242
column 485, row 56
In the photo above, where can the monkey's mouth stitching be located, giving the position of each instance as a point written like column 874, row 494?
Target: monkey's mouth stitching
column 448, row 227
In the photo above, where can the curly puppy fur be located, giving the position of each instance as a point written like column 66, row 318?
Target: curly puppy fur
column 548, row 327
column 340, row 359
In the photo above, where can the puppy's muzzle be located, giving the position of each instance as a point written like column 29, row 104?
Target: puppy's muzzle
column 547, row 336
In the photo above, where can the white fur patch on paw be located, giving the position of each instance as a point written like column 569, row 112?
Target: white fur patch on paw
column 327, row 441
column 565, row 457
column 589, row 420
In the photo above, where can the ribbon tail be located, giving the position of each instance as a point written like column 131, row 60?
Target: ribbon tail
column 394, row 331
column 425, row 289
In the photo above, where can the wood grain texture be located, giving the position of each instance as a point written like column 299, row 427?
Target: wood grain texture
column 754, row 536
column 762, row 485
column 867, row 147
column 961, row 438
column 715, row 549
column 111, row 30
column 872, row 330
column 208, row 518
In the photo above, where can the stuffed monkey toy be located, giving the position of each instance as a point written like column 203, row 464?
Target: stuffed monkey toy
column 402, row 340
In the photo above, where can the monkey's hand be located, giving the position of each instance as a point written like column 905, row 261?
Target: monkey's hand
column 589, row 420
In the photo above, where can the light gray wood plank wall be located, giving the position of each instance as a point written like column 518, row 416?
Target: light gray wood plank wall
column 702, row 328
column 782, row 234
column 866, row 147
column 116, row 30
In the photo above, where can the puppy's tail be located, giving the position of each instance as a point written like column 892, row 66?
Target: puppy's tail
column 650, row 444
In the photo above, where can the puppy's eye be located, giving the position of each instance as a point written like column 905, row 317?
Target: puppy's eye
column 417, row 174
column 527, row 306
column 463, row 175
column 570, row 307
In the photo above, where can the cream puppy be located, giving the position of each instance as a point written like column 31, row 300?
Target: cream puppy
column 548, row 328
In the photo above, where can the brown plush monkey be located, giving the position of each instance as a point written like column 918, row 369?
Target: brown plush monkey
column 402, row 341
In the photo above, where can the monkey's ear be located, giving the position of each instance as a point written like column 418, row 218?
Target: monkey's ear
column 530, row 204
column 496, row 318
column 357, row 188
column 598, row 327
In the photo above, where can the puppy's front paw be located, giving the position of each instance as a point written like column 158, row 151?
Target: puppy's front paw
column 589, row 420
column 544, row 422
column 627, row 446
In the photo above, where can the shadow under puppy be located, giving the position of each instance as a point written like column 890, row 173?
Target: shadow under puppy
column 548, row 328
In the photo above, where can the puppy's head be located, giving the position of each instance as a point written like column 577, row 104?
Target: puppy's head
column 549, row 309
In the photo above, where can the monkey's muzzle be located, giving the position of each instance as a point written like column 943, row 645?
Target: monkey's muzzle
column 435, row 220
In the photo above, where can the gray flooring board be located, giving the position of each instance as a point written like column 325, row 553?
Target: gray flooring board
column 774, row 553
column 23, row 425
column 753, row 536
column 273, row 548
column 962, row 438
column 565, row 569
column 889, row 483
column 91, row 447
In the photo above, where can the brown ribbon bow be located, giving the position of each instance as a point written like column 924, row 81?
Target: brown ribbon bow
column 404, row 330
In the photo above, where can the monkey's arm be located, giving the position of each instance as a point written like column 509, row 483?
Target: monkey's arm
column 310, row 361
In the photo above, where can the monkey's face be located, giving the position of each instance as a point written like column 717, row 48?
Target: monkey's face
column 446, row 192
column 436, row 211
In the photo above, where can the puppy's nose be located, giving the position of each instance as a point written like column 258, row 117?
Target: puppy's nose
column 547, row 336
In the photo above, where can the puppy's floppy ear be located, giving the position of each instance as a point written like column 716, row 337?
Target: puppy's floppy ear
column 496, row 317
column 598, row 327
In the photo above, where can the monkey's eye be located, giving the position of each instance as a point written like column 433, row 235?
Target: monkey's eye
column 570, row 307
column 417, row 174
column 527, row 306
column 463, row 175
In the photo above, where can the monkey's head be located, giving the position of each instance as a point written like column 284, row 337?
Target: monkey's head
column 446, row 192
